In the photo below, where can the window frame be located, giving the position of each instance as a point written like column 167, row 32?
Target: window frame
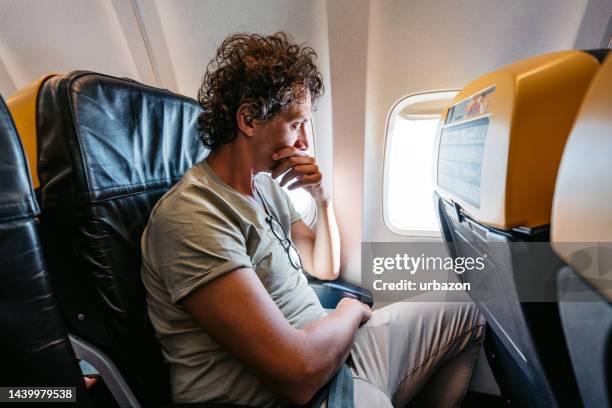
column 398, row 106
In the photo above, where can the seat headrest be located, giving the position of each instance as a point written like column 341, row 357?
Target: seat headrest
column 17, row 198
column 582, row 212
column 108, row 137
column 500, row 142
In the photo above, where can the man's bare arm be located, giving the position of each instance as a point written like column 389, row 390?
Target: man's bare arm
column 238, row 313
column 320, row 252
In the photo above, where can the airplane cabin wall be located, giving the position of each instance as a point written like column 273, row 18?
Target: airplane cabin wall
column 348, row 38
column 596, row 27
column 39, row 37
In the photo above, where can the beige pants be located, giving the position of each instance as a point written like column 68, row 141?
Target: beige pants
column 417, row 352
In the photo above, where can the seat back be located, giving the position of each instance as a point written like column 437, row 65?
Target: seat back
column 498, row 151
column 581, row 233
column 34, row 346
column 107, row 150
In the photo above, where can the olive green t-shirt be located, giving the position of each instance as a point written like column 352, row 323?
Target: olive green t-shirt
column 199, row 230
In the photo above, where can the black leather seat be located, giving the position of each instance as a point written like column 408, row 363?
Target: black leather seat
column 34, row 346
column 109, row 148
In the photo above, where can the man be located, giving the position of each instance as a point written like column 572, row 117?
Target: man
column 227, row 295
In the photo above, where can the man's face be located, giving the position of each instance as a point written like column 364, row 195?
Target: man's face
column 286, row 129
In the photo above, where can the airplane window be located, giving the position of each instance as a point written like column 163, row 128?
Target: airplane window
column 408, row 206
column 302, row 200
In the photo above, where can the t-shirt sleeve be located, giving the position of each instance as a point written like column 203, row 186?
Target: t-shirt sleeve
column 190, row 250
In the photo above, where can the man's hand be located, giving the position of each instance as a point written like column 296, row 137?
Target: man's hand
column 301, row 168
column 354, row 303
column 90, row 382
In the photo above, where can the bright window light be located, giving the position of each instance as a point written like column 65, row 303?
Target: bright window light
column 408, row 202
column 410, row 188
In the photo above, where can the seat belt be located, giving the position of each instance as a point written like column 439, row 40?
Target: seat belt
column 339, row 391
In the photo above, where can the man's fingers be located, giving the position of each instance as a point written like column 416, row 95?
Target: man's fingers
column 307, row 180
column 287, row 152
column 291, row 162
column 90, row 382
column 296, row 167
column 301, row 170
column 288, row 176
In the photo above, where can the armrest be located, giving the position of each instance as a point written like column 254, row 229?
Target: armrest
column 110, row 374
column 330, row 292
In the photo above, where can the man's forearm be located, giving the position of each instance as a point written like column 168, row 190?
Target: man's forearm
column 327, row 342
column 326, row 248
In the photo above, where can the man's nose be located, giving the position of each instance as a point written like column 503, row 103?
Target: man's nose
column 302, row 140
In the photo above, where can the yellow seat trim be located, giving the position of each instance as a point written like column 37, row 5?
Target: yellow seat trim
column 22, row 105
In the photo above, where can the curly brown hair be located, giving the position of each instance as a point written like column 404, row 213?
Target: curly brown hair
column 266, row 72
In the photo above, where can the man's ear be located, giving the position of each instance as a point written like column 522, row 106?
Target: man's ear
column 244, row 120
